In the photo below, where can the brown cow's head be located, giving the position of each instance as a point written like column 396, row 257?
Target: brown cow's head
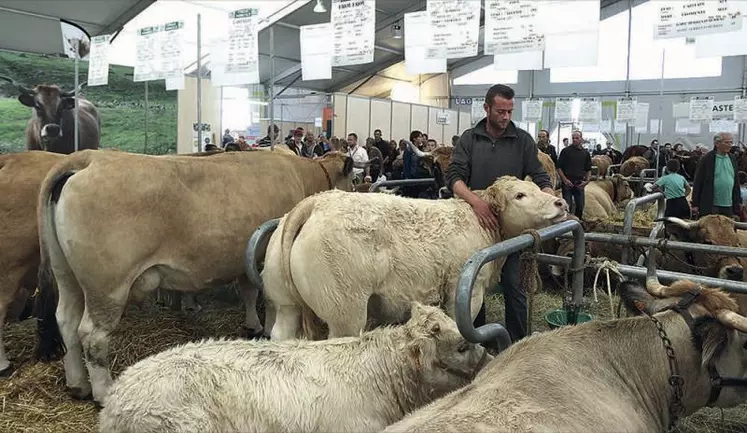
column 48, row 104
column 436, row 162
column 712, row 230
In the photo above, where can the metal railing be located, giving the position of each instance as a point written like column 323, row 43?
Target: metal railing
column 641, row 272
column 401, row 182
column 613, row 169
column 493, row 331
column 630, row 209
column 255, row 251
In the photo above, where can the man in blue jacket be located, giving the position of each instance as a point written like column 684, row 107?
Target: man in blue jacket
column 495, row 147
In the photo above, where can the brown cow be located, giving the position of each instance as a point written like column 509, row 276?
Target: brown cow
column 436, row 162
column 52, row 123
column 131, row 237
column 637, row 150
column 602, row 162
column 605, row 376
column 633, row 166
column 21, row 176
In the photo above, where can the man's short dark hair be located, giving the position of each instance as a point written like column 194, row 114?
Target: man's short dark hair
column 433, row 140
column 377, row 130
column 501, row 90
column 354, row 135
column 414, row 134
column 673, row 166
column 545, row 131
column 269, row 129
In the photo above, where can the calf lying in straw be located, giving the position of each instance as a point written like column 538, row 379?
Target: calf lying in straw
column 611, row 376
column 355, row 384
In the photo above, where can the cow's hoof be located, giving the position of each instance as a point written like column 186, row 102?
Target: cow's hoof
column 80, row 394
column 251, row 333
column 7, row 372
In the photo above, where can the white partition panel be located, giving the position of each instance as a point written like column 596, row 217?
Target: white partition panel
column 452, row 128
column 435, row 131
column 400, row 121
column 339, row 122
column 359, row 117
column 465, row 121
column 419, row 119
column 381, row 117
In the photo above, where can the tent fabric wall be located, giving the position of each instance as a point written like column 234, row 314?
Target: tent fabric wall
column 435, row 131
column 400, row 121
column 465, row 121
column 340, row 108
column 453, row 127
column 187, row 114
column 359, row 117
column 419, row 118
column 381, row 117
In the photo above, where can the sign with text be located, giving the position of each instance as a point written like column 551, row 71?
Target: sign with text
column 98, row 61
column 681, row 18
column 242, row 49
column 316, row 52
column 417, row 40
column 626, row 109
column 454, row 28
column 510, row 27
column 354, row 27
column 159, row 52
column 531, row 110
column 701, row 108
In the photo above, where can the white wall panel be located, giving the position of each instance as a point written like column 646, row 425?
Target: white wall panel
column 339, row 127
column 359, row 115
column 400, row 121
column 451, row 129
column 381, row 117
column 465, row 121
column 419, row 120
column 435, row 131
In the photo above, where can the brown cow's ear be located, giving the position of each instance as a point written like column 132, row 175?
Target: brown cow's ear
column 27, row 99
column 68, row 103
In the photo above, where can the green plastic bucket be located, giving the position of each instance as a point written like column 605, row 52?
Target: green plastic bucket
column 559, row 317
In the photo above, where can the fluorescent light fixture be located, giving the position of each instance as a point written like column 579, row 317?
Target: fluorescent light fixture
column 319, row 8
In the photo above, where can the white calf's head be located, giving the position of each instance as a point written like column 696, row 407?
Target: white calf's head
column 443, row 359
column 522, row 205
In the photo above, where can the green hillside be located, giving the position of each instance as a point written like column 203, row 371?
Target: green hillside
column 121, row 104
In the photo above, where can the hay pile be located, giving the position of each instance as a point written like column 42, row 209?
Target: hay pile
column 642, row 218
column 34, row 398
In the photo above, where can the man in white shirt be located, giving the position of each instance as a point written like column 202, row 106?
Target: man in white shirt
column 360, row 158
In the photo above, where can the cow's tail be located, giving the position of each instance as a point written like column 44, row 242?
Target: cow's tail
column 292, row 225
column 51, row 345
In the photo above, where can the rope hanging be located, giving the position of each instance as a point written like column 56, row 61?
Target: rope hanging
column 529, row 273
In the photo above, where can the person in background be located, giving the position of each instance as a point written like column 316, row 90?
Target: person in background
column 272, row 133
column 574, row 169
column 359, row 156
column 296, row 142
column 380, row 143
column 431, row 145
column 598, row 150
column 743, row 185
column 565, row 143
column 543, row 144
column 676, row 189
column 495, row 147
column 389, row 159
column 375, row 157
column 227, row 138
column 716, row 187
column 454, row 140
column 613, row 153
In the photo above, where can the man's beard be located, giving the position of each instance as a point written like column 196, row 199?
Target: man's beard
column 495, row 125
column 542, row 145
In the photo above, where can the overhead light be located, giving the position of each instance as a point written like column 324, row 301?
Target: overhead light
column 396, row 30
column 319, row 8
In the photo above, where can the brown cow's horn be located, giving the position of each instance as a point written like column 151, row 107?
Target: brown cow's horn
column 687, row 225
column 417, row 151
column 72, row 93
column 732, row 320
column 15, row 83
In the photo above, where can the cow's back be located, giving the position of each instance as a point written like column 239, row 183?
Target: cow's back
column 192, row 216
column 598, row 203
column 21, row 176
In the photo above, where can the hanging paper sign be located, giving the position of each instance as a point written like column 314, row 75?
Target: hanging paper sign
column 605, row 125
column 510, row 27
column 477, row 110
column 740, row 109
column 591, row 127
column 641, row 116
column 679, row 18
column 531, row 110
column 701, row 108
column 175, row 83
column 454, row 28
column 563, row 109
column 417, row 39
column 316, row 52
column 242, row 46
column 354, row 27
column 98, row 61
column 590, row 110
column 443, row 118
column 653, row 126
column 625, row 109
column 159, row 52
column 621, row 127
column 686, row 126
column 723, row 125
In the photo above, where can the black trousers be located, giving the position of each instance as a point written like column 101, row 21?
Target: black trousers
column 677, row 207
column 515, row 300
column 722, row 210
column 575, row 195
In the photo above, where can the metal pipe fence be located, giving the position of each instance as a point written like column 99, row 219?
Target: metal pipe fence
column 617, row 239
column 472, row 267
column 630, row 212
column 666, row 276
column 401, row 182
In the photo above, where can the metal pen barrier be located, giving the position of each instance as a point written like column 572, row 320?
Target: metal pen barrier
column 613, row 169
column 255, row 251
column 472, row 267
column 401, row 182
column 630, row 212
column 641, row 272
